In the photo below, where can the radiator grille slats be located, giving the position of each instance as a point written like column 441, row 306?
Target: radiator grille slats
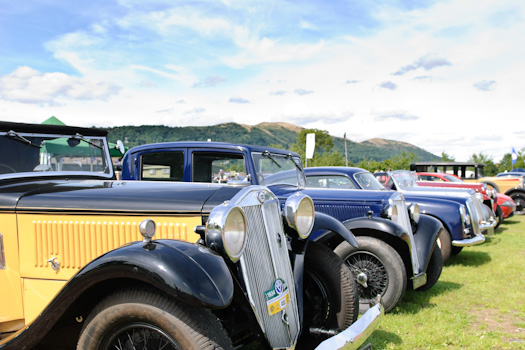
column 342, row 212
column 263, row 262
column 75, row 243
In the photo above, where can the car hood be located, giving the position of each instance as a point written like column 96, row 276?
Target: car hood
column 332, row 194
column 114, row 196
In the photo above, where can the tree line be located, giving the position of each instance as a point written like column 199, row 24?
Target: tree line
column 325, row 155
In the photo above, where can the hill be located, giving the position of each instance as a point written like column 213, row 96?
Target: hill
column 263, row 134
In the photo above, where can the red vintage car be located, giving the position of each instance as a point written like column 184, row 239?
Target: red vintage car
column 503, row 205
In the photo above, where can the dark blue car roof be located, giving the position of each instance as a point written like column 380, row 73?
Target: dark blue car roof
column 204, row 144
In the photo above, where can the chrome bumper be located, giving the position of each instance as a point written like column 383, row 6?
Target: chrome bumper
column 355, row 335
column 477, row 239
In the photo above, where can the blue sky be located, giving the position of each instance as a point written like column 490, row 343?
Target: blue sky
column 447, row 76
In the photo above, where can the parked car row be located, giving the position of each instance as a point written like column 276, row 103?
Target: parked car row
column 211, row 245
column 397, row 245
column 90, row 262
column 510, row 183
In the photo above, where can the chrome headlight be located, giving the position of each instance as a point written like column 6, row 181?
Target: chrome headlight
column 413, row 210
column 391, row 212
column 299, row 213
column 226, row 231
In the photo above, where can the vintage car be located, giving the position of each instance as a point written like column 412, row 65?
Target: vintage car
column 390, row 257
column 459, row 230
column 512, row 186
column 502, row 204
column 406, row 182
column 79, row 267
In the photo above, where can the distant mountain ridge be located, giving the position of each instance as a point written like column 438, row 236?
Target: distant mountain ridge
column 263, row 134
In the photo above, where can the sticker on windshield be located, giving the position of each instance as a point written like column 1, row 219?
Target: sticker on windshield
column 277, row 297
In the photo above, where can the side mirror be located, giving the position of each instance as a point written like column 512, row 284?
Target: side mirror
column 120, row 147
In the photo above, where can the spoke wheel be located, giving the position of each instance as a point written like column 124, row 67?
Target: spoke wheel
column 141, row 336
column 519, row 199
column 380, row 266
column 375, row 271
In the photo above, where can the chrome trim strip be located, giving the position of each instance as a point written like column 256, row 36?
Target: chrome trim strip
column 477, row 239
column 2, row 253
column 355, row 335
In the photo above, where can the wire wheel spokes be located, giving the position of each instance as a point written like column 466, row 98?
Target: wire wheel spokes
column 374, row 269
column 140, row 336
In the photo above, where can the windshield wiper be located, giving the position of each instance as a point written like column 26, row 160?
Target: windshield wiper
column 18, row 137
column 81, row 137
column 269, row 155
column 289, row 156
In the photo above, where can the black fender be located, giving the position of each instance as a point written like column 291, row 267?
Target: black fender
column 377, row 224
column 426, row 237
column 515, row 191
column 190, row 273
column 331, row 225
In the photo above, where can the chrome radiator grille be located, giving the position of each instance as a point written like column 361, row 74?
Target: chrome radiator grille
column 402, row 213
column 474, row 215
column 265, row 260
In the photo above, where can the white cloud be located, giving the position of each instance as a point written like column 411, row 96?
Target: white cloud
column 27, row 85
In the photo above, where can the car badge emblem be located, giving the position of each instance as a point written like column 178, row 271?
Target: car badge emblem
column 261, row 196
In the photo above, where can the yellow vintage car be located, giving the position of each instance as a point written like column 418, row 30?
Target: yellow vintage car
column 79, row 267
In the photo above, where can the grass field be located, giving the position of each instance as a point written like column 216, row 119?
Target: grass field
column 478, row 302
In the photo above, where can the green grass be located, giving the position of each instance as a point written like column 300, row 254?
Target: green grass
column 478, row 302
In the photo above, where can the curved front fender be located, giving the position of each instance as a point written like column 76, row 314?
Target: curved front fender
column 190, row 273
column 325, row 224
column 377, row 224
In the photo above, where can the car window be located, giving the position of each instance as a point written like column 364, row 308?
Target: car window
column 218, row 167
column 25, row 154
column 367, row 181
column 329, row 181
column 163, row 166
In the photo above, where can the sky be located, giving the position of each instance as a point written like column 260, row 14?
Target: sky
column 446, row 76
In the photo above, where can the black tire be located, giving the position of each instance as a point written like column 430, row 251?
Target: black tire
column 519, row 199
column 434, row 269
column 384, row 268
column 330, row 293
column 145, row 319
column 499, row 217
column 456, row 250
column 445, row 244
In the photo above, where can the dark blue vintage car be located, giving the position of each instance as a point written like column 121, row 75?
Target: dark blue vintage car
column 79, row 267
column 390, row 256
column 458, row 211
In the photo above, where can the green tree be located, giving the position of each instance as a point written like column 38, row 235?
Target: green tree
column 446, row 158
column 323, row 154
column 490, row 168
column 403, row 161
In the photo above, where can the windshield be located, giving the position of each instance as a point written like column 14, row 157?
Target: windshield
column 274, row 168
column 403, row 179
column 452, row 178
column 367, row 181
column 38, row 155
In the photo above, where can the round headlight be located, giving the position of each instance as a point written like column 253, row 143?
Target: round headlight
column 414, row 212
column 299, row 214
column 234, row 234
column 147, row 229
column 226, row 231
column 392, row 212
